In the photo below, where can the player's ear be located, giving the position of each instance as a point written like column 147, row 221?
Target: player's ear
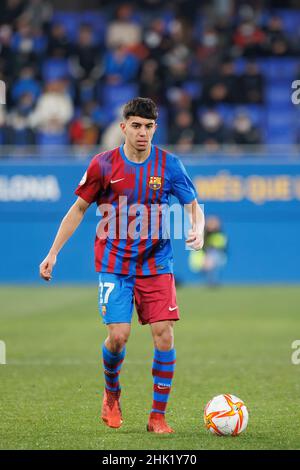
column 123, row 127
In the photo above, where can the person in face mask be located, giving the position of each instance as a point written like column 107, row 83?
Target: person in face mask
column 244, row 132
column 212, row 130
column 19, row 131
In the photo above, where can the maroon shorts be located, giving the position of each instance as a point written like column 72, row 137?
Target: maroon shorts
column 155, row 298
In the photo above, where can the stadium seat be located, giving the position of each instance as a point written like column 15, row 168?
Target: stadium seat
column 227, row 111
column 27, row 85
column 45, row 139
column 281, row 69
column 98, row 23
column 280, row 119
column 256, row 112
column 161, row 134
column 290, row 19
column 116, row 95
column 281, row 135
column 55, row 68
column 278, row 93
column 70, row 20
column 192, row 88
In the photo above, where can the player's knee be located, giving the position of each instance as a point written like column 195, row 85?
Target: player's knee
column 118, row 340
column 164, row 340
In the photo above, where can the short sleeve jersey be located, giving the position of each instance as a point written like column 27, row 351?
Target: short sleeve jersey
column 132, row 199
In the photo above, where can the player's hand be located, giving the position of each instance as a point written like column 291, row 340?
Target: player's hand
column 46, row 267
column 195, row 240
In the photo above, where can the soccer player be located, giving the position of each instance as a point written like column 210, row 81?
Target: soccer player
column 135, row 267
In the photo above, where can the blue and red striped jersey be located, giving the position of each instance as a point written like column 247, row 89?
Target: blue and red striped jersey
column 112, row 175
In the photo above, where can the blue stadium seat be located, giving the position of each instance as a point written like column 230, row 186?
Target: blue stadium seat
column 278, row 108
column 116, row 95
column 256, row 112
column 280, row 119
column 70, row 20
column 97, row 21
column 281, row 135
column 55, row 68
column 278, row 93
column 290, row 19
column 44, row 138
column 192, row 88
column 281, row 69
column 161, row 134
column 227, row 111
column 240, row 65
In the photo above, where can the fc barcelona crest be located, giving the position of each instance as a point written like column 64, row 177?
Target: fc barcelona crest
column 155, row 182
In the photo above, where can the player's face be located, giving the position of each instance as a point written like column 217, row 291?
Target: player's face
column 138, row 132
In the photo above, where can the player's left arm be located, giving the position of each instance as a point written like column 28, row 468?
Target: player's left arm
column 195, row 238
column 183, row 188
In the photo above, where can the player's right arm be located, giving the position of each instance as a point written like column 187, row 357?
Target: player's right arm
column 67, row 227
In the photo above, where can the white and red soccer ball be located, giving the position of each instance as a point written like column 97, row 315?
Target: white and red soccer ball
column 226, row 415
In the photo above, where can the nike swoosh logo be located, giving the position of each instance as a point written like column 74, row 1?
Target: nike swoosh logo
column 172, row 308
column 116, row 181
column 162, row 388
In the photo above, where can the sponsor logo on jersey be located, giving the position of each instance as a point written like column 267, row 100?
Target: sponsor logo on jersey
column 155, row 182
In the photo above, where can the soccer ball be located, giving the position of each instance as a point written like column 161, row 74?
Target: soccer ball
column 226, row 415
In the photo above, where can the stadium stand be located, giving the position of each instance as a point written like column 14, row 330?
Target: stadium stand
column 198, row 66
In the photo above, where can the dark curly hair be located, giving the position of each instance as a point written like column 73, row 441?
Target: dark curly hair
column 142, row 107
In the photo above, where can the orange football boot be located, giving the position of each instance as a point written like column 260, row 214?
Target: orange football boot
column 111, row 409
column 158, row 424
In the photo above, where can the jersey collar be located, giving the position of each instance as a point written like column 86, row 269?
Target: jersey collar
column 135, row 163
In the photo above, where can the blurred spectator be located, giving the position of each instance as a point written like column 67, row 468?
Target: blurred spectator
column 251, row 85
column 86, row 56
column 184, row 131
column 210, row 52
column 11, row 10
column 54, row 109
column 120, row 66
column 113, row 136
column 213, row 257
column 38, row 13
column 250, row 39
column 179, row 99
column 19, row 131
column 3, row 137
column 85, row 129
column 28, row 45
column 156, row 39
column 123, row 29
column 221, row 87
column 213, row 132
column 27, row 83
column 151, row 81
column 6, row 57
column 244, row 132
column 59, row 44
column 277, row 42
column 176, row 61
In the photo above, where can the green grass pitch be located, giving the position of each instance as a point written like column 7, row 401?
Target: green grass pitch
column 234, row 339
